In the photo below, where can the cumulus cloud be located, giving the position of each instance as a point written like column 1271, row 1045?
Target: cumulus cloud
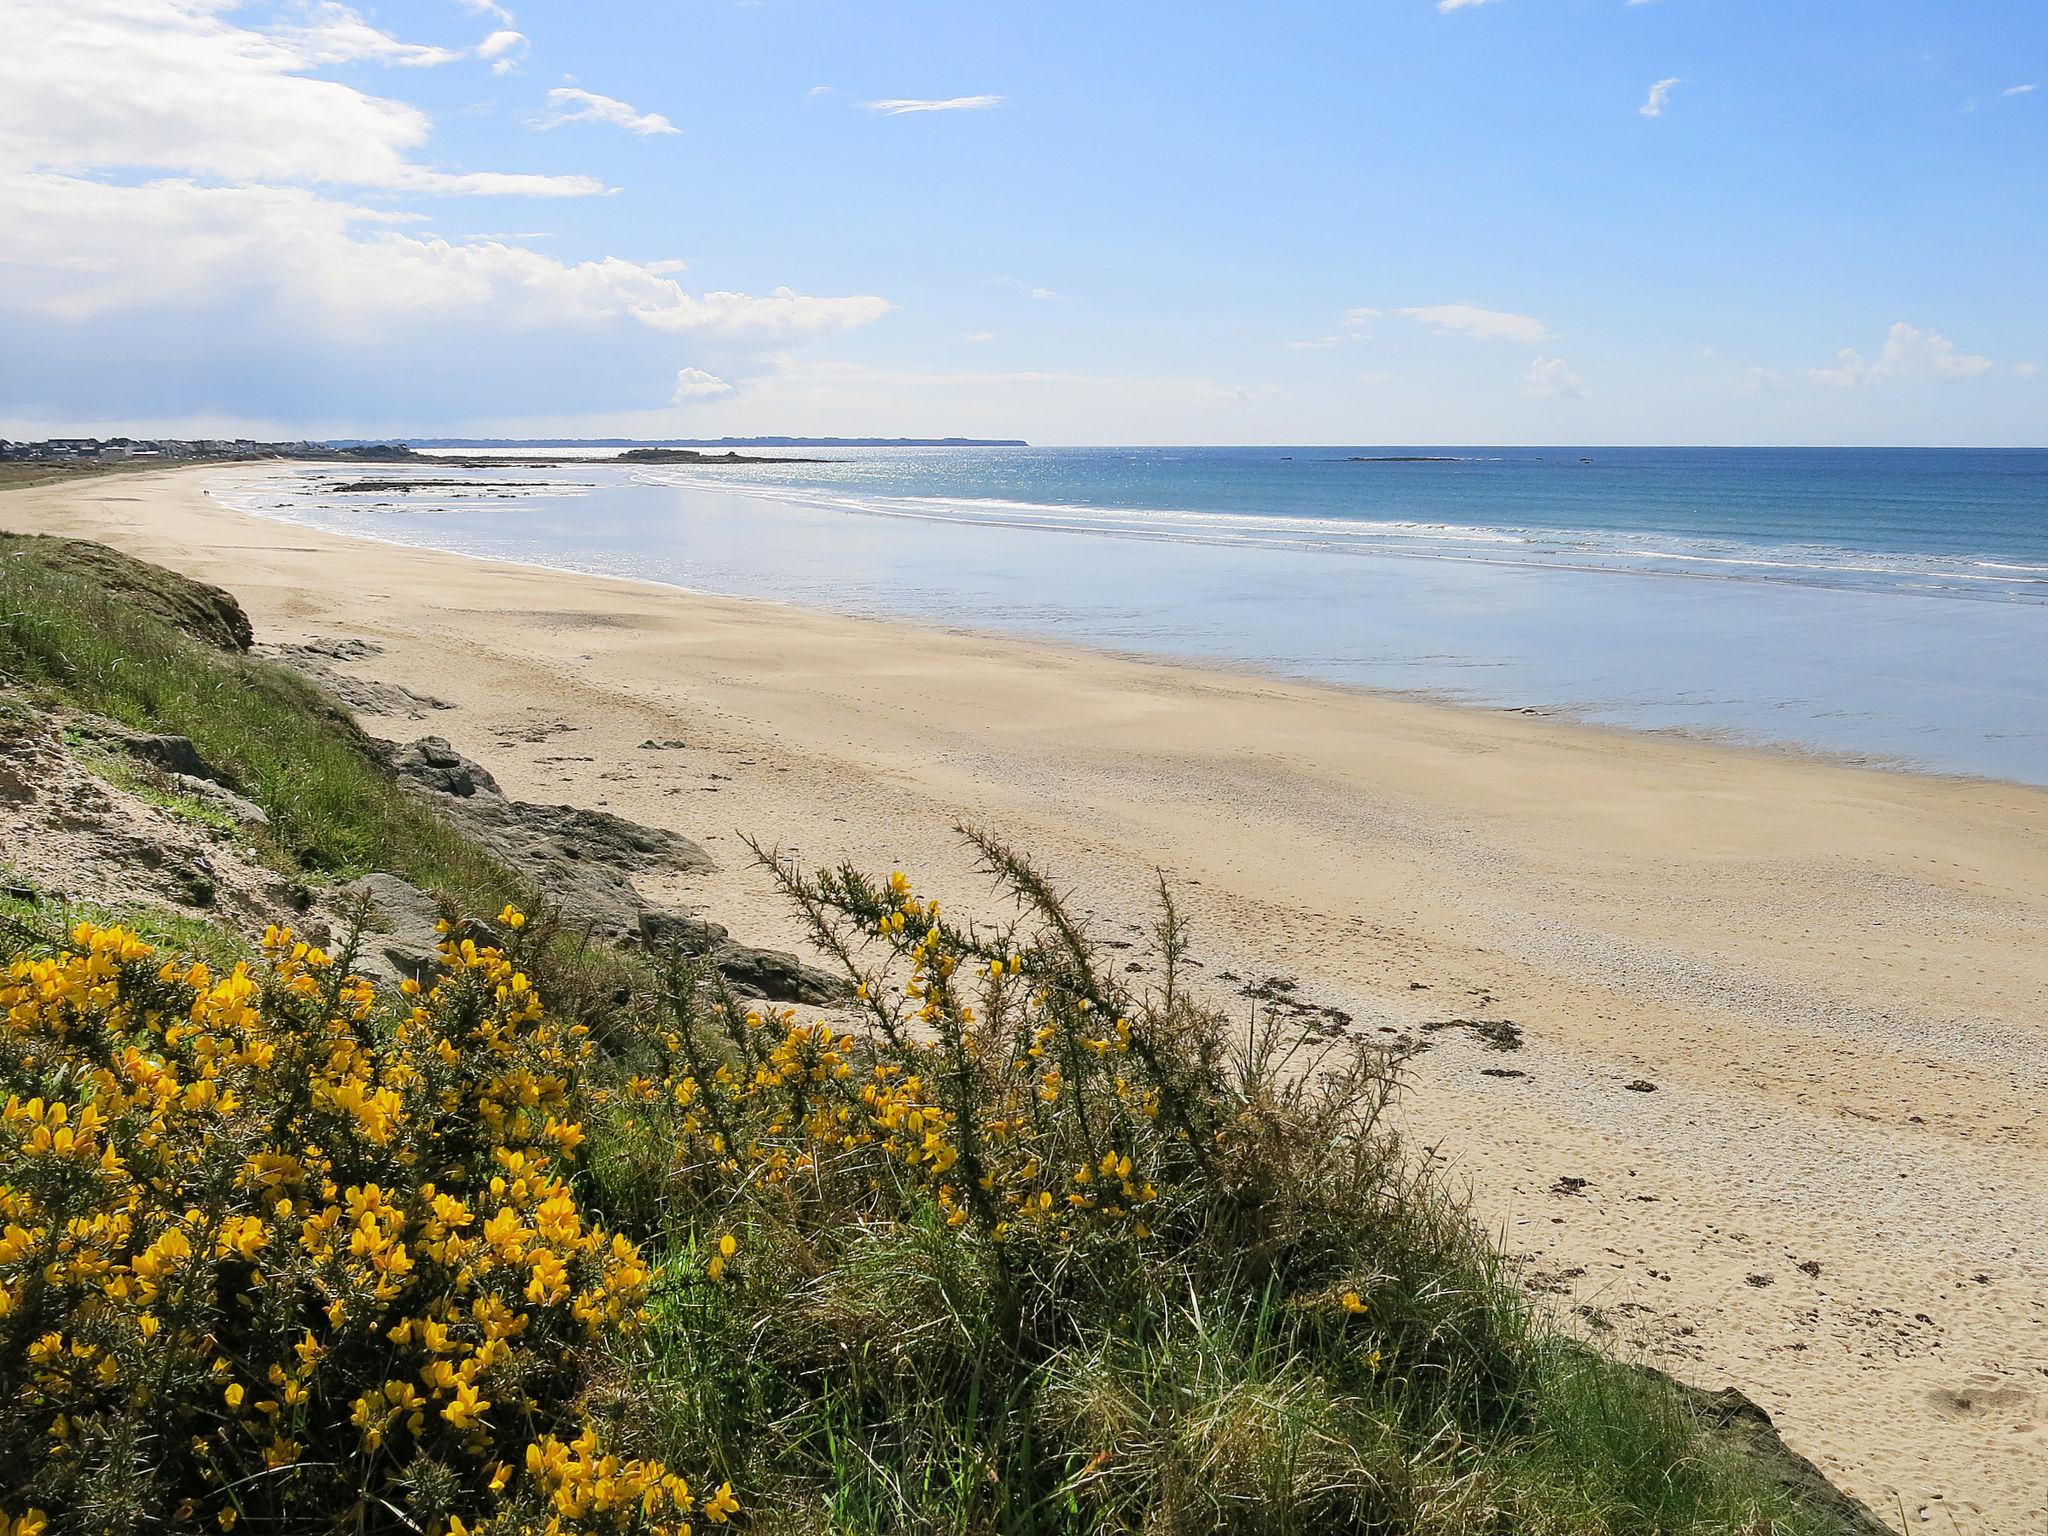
column 899, row 106
column 694, row 384
column 1473, row 320
column 1909, row 353
column 1549, row 379
column 1653, row 104
column 566, row 104
column 169, row 85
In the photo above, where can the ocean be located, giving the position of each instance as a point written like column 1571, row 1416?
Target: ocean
column 1887, row 606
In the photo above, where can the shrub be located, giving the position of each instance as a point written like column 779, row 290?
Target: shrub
column 1033, row 1250
column 277, row 1252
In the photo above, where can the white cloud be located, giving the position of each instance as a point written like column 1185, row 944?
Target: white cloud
column 694, row 384
column 167, row 85
column 1549, row 379
column 1315, row 345
column 504, row 48
column 1448, row 6
column 1653, row 104
column 2027, row 370
column 566, row 104
column 78, row 249
column 977, row 337
column 819, row 90
column 1909, row 353
column 899, row 106
column 488, row 8
column 1043, row 295
column 1359, row 317
column 1472, row 320
column 2019, row 90
column 334, row 34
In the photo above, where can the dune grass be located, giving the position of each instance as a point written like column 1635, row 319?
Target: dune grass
column 76, row 637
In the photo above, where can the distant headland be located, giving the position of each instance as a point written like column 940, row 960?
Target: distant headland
column 704, row 442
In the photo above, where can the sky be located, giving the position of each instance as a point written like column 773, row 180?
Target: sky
column 1366, row 222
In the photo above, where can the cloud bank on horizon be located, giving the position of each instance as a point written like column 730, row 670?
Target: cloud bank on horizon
column 454, row 216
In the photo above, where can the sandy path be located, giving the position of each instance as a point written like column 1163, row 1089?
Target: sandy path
column 1832, row 977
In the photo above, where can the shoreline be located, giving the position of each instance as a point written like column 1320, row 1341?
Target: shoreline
column 1728, row 738
column 1828, row 974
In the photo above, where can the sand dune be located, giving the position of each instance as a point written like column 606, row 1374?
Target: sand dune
column 1781, row 1017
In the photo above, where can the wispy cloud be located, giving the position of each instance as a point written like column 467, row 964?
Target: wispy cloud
column 334, row 34
column 504, row 48
column 2019, row 90
column 488, row 8
column 1359, row 317
column 902, row 105
column 1653, row 104
column 1909, row 353
column 1448, row 6
column 977, row 337
column 1043, row 295
column 1317, row 345
column 1549, row 379
column 694, row 384
column 819, row 90
column 567, row 104
column 1473, row 320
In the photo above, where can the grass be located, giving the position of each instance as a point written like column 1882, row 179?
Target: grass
column 335, row 810
column 1293, row 1333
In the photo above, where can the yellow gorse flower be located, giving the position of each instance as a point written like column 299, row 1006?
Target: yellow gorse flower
column 370, row 1196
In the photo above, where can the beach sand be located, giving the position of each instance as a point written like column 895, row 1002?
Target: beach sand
column 1783, row 1017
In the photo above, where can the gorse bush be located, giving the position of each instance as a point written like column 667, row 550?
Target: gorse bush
column 1028, row 1247
column 278, row 1254
column 1036, row 1249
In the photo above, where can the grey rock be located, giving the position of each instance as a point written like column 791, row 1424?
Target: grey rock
column 661, row 931
column 173, row 754
column 432, row 764
column 317, row 658
column 245, row 811
column 776, row 975
column 582, row 859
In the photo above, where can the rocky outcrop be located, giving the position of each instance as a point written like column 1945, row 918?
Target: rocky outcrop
column 583, row 859
column 69, row 834
column 320, row 660
column 1739, row 1423
column 773, row 974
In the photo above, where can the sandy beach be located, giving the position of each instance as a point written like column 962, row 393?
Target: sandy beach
column 1781, row 1017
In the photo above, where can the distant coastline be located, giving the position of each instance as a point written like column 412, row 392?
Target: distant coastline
column 698, row 442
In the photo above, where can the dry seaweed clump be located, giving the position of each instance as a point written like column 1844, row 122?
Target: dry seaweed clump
column 280, row 1253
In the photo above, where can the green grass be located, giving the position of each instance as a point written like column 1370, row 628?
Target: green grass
column 335, row 810
column 171, row 931
column 866, row 1365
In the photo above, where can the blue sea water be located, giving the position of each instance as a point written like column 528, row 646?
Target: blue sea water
column 1888, row 605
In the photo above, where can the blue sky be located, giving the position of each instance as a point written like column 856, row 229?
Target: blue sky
column 1375, row 222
